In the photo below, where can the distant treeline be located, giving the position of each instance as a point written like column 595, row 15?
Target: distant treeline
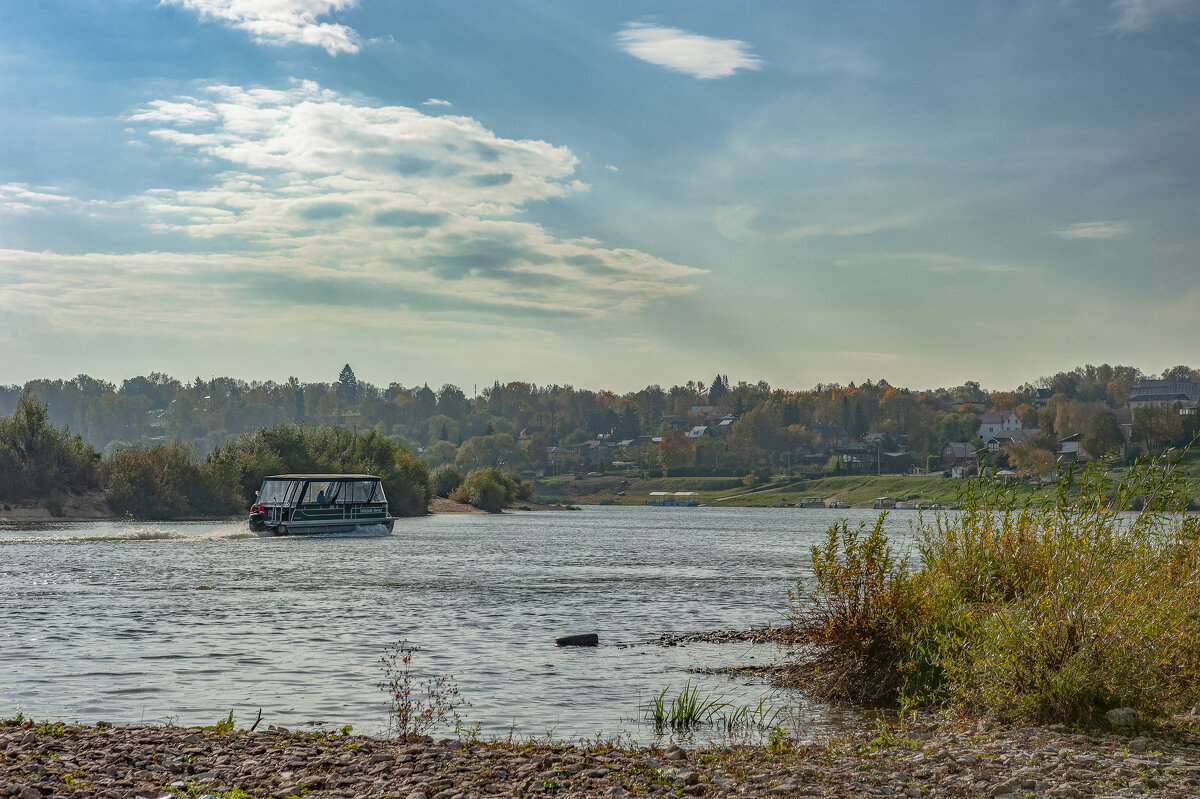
column 511, row 425
column 44, row 462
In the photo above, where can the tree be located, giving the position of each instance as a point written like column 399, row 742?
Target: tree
column 439, row 454
column 1156, row 424
column 718, row 389
column 347, row 387
column 676, row 451
column 1182, row 374
column 1028, row 459
column 1103, row 434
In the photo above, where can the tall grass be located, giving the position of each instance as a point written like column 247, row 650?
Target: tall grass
column 1046, row 607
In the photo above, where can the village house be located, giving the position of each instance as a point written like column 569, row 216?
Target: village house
column 998, row 441
column 959, row 454
column 994, row 422
column 1070, row 449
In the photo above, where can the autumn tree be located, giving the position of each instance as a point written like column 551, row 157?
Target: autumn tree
column 676, row 451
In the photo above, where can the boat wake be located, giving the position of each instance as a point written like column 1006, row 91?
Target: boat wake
column 140, row 534
column 362, row 531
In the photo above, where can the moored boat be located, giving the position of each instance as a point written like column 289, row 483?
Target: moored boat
column 308, row 504
column 679, row 499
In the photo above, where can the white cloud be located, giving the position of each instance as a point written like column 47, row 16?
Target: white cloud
column 1136, row 16
column 689, row 53
column 21, row 197
column 320, row 200
column 436, row 101
column 1093, row 230
column 281, row 21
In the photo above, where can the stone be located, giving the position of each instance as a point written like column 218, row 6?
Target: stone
column 1121, row 717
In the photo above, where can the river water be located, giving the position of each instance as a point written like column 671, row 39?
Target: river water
column 183, row 622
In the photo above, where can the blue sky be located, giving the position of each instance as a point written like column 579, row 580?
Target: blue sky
column 602, row 194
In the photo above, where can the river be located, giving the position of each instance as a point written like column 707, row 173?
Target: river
column 182, row 622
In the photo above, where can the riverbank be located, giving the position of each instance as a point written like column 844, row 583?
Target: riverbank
column 932, row 760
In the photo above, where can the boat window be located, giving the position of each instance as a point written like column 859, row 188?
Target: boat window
column 321, row 492
column 377, row 492
column 361, row 491
column 275, row 492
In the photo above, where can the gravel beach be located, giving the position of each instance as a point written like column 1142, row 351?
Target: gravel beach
column 968, row 759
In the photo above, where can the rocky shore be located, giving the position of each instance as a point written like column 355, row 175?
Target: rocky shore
column 949, row 759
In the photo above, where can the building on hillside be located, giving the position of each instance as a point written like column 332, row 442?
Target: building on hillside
column 1071, row 449
column 998, row 441
column 1041, row 396
column 959, row 453
column 1165, row 392
column 994, row 422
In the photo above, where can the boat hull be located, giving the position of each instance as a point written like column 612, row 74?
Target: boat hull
column 317, row 526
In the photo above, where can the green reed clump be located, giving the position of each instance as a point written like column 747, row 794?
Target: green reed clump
column 1057, row 606
column 689, row 710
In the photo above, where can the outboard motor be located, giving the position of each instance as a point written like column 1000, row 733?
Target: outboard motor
column 258, row 518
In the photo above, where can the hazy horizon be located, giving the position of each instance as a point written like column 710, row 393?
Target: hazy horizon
column 603, row 195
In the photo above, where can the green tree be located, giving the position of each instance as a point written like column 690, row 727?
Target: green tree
column 347, row 387
column 498, row 449
column 439, row 453
column 38, row 458
column 1103, row 434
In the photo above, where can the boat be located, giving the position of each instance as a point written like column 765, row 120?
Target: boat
column 308, row 504
column 680, row 499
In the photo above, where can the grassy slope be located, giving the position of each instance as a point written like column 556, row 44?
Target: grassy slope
column 729, row 492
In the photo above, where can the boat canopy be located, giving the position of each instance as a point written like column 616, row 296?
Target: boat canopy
column 321, row 489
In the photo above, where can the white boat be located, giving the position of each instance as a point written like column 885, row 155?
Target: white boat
column 307, row 504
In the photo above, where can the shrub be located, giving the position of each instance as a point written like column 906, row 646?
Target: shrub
column 489, row 489
column 165, row 483
column 1044, row 608
column 445, row 479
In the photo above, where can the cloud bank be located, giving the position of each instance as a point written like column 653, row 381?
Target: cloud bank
column 689, row 53
column 1137, row 16
column 280, row 21
column 318, row 202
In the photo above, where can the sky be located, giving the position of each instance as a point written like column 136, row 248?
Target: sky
column 606, row 195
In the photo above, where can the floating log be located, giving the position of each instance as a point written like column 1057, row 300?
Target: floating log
column 583, row 639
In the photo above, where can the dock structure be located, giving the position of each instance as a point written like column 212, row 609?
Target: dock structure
column 674, row 499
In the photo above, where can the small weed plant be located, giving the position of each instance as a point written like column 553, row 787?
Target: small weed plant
column 223, row 726
column 1053, row 606
column 416, row 709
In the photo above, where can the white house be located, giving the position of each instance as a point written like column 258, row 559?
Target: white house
column 994, row 422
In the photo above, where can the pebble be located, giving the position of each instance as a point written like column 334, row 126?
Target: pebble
column 932, row 761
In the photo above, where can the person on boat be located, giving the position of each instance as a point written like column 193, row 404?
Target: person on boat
column 321, row 497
